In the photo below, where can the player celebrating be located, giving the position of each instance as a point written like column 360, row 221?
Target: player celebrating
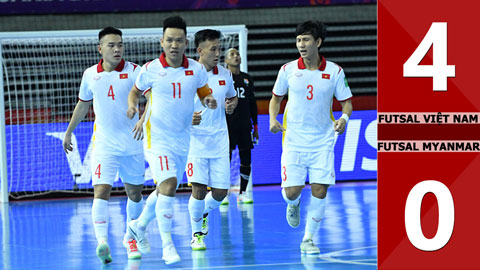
column 311, row 83
column 174, row 81
column 108, row 84
column 208, row 159
column 241, row 121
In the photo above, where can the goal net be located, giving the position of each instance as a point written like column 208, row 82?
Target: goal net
column 41, row 76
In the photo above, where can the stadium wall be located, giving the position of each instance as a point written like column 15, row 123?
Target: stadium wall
column 256, row 16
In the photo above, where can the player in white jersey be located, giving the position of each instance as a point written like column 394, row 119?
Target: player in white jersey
column 309, row 127
column 208, row 159
column 108, row 84
column 173, row 80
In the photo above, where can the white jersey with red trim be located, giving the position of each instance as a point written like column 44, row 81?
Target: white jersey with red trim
column 169, row 114
column 109, row 91
column 210, row 138
column 308, row 115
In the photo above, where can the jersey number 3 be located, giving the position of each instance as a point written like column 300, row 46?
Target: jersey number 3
column 310, row 87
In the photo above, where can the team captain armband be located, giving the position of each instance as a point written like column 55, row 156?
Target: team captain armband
column 204, row 91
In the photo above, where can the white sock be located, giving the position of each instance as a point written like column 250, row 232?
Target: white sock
column 315, row 214
column 164, row 212
column 100, row 219
column 134, row 209
column 211, row 203
column 148, row 213
column 294, row 202
column 196, row 207
column 166, row 238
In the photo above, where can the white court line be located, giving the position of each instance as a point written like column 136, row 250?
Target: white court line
column 328, row 257
column 325, row 257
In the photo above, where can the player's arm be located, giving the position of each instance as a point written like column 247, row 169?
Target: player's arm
column 347, row 109
column 133, row 99
column 273, row 110
column 254, row 112
column 206, row 97
column 81, row 110
column 138, row 128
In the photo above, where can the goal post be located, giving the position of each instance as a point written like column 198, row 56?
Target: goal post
column 40, row 77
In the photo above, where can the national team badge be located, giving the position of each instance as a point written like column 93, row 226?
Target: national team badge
column 188, row 72
column 221, row 82
column 325, row 76
column 124, row 76
column 245, row 81
column 96, row 78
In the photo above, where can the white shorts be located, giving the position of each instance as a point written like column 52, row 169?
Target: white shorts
column 165, row 164
column 318, row 165
column 131, row 169
column 213, row 172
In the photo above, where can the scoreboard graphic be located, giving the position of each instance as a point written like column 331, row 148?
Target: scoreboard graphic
column 428, row 134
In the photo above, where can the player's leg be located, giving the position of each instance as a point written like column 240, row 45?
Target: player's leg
column 197, row 175
column 219, row 175
column 245, row 169
column 171, row 176
column 322, row 174
column 245, row 146
column 132, row 171
column 162, row 165
column 138, row 228
column 294, row 175
column 104, row 169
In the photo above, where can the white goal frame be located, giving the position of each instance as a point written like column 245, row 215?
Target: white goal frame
column 226, row 29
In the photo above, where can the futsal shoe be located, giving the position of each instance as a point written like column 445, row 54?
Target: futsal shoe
column 132, row 250
column 225, row 201
column 103, row 252
column 308, row 247
column 170, row 254
column 198, row 242
column 141, row 237
column 293, row 215
column 244, row 199
column 205, row 225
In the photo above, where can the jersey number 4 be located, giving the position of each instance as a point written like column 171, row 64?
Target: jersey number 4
column 110, row 92
column 97, row 171
column 439, row 71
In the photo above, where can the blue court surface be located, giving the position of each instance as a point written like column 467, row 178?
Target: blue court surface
column 58, row 234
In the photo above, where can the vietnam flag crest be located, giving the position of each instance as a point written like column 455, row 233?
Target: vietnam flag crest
column 124, row 76
column 325, row 76
column 188, row 72
column 221, row 82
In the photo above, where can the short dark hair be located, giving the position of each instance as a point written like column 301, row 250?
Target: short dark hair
column 314, row 28
column 175, row 22
column 107, row 31
column 207, row 34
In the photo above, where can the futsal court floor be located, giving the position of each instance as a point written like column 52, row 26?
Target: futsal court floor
column 58, row 234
